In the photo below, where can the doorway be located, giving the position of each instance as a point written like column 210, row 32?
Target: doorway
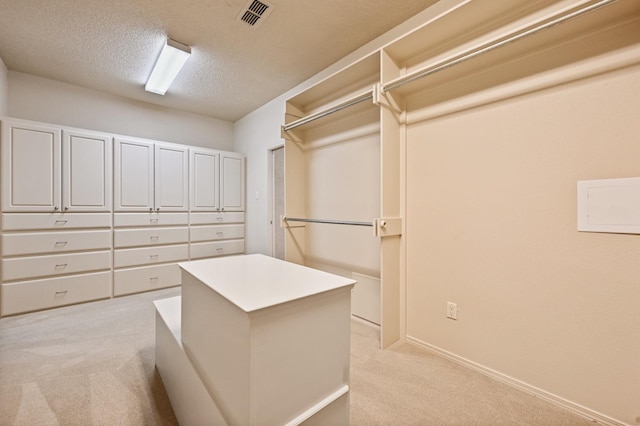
column 276, row 198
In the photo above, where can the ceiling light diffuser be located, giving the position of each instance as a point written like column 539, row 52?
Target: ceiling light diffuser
column 169, row 63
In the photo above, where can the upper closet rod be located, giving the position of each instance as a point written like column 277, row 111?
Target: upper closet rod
column 333, row 222
column 335, row 108
column 488, row 47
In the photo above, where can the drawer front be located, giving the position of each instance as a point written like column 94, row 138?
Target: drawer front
column 218, row 248
column 39, row 266
column 150, row 236
column 26, row 296
column 150, row 219
column 135, row 280
column 211, row 218
column 17, row 221
column 216, row 232
column 54, row 242
column 150, row 255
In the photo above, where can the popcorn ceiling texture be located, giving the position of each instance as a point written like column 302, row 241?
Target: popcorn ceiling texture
column 111, row 46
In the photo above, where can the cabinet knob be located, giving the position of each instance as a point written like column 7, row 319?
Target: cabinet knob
column 56, row 208
column 158, row 209
column 222, row 208
column 66, row 208
column 150, row 209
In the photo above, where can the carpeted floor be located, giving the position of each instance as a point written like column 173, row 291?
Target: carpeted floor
column 93, row 364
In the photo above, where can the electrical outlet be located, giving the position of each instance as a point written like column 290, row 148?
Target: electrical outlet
column 452, row 310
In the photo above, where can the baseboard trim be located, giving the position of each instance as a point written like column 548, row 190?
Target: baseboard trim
column 537, row 392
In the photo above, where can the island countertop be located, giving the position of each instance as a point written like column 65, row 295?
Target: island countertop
column 253, row 282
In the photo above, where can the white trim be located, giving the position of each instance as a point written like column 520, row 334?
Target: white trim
column 270, row 198
column 518, row 384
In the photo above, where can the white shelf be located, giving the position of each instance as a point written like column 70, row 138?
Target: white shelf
column 426, row 64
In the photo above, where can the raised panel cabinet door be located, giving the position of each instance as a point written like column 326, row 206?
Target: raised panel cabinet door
column 30, row 167
column 171, row 178
column 133, row 175
column 205, row 180
column 86, row 171
column 231, row 182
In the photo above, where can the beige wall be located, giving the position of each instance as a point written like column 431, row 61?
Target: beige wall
column 342, row 182
column 39, row 99
column 491, row 226
column 491, row 223
column 3, row 88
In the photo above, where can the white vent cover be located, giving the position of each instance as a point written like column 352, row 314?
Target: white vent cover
column 254, row 12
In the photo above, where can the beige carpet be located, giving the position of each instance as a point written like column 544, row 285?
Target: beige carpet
column 93, row 364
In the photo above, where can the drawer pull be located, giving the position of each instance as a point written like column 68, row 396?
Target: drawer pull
column 61, row 222
column 61, row 293
column 61, row 265
column 154, row 237
column 220, row 249
column 219, row 218
column 153, row 279
column 153, row 256
column 61, row 243
column 152, row 220
column 220, row 234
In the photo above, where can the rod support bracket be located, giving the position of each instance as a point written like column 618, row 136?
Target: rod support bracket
column 387, row 226
column 386, row 100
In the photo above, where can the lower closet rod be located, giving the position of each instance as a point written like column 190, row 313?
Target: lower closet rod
column 333, row 222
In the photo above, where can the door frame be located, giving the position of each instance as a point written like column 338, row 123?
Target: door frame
column 271, row 221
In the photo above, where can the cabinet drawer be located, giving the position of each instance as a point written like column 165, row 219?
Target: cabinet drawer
column 26, row 296
column 17, row 221
column 150, row 236
column 211, row 218
column 39, row 266
column 218, row 248
column 150, row 219
column 216, row 232
column 136, row 280
column 150, row 255
column 54, row 242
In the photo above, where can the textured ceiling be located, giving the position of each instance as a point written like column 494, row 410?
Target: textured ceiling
column 234, row 68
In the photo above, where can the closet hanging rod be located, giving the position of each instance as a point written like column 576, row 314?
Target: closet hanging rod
column 335, row 108
column 333, row 222
column 494, row 45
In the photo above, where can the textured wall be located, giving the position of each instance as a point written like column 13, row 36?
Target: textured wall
column 491, row 226
column 3, row 88
column 39, row 99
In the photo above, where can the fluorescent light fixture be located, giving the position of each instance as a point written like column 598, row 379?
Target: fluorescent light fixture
column 169, row 64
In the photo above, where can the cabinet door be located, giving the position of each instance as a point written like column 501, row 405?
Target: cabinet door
column 204, row 178
column 133, row 171
column 171, row 178
column 231, row 181
column 86, row 171
column 30, row 167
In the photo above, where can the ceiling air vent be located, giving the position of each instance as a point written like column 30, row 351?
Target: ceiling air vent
column 254, row 12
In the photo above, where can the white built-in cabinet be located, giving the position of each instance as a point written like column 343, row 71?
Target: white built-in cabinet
column 151, row 220
column 217, row 203
column 150, row 176
column 31, row 167
column 147, row 246
column 232, row 182
column 89, row 215
column 56, row 220
column 217, row 180
column 47, row 169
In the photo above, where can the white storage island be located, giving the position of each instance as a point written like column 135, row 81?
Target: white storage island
column 256, row 341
